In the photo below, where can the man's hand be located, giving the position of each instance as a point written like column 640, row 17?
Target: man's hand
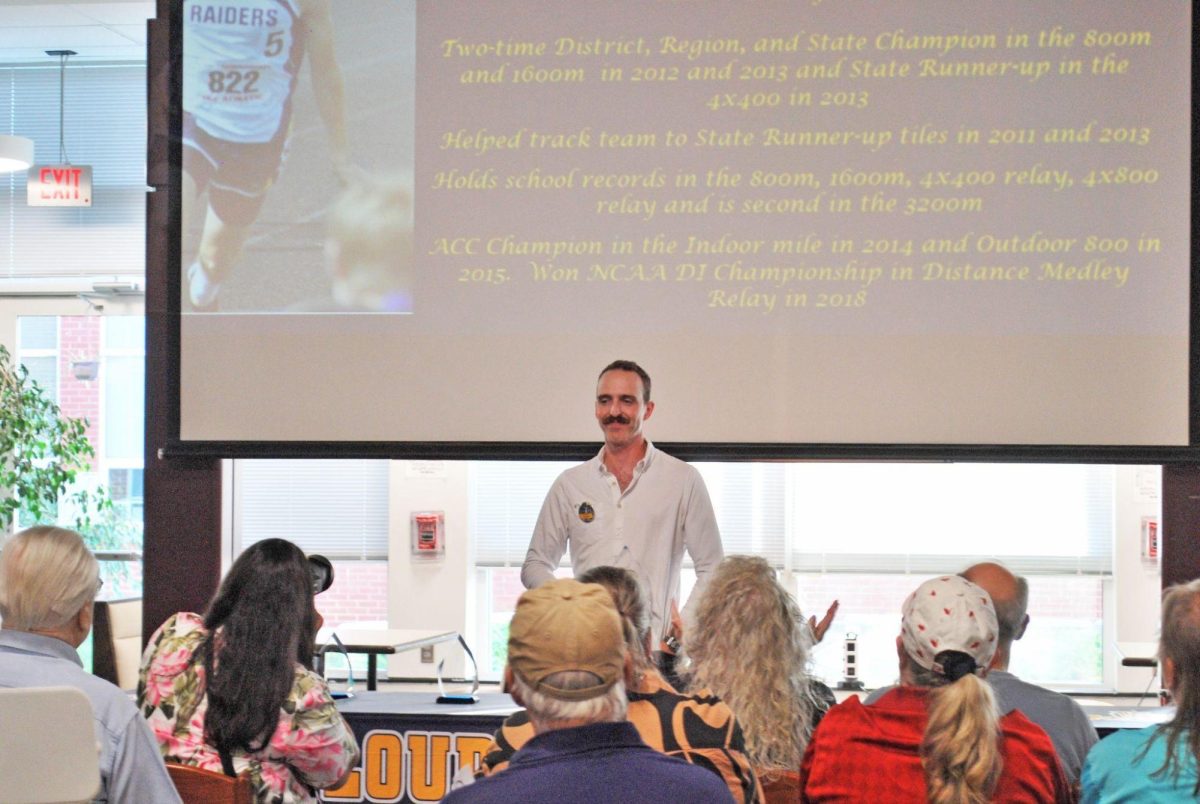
column 674, row 635
column 819, row 628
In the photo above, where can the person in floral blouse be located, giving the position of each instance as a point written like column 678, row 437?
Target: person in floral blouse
column 234, row 690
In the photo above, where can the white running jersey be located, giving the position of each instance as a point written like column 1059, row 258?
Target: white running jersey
column 240, row 60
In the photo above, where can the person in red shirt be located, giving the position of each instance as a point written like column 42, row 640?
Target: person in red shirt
column 939, row 736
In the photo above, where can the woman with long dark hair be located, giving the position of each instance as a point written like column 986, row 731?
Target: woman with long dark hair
column 235, row 690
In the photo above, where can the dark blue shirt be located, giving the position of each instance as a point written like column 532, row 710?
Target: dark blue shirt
column 594, row 764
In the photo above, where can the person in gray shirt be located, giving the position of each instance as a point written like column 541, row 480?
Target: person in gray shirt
column 1059, row 716
column 48, row 582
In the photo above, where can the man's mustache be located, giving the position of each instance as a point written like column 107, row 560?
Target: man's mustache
column 616, row 420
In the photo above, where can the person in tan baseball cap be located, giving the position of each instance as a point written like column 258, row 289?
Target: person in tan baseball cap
column 568, row 665
column 562, row 633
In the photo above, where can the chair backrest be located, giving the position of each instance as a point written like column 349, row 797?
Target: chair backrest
column 38, row 724
column 199, row 786
column 782, row 787
column 117, row 641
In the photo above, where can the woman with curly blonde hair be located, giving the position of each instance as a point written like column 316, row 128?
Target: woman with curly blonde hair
column 750, row 645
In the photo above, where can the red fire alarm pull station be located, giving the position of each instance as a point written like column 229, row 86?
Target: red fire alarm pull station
column 1150, row 538
column 428, row 533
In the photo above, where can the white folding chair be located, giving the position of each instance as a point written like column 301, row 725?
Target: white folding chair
column 48, row 750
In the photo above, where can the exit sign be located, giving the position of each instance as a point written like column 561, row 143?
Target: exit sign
column 59, row 186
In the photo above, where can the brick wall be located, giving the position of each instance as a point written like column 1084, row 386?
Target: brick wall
column 359, row 592
column 1072, row 598
column 506, row 588
column 79, row 339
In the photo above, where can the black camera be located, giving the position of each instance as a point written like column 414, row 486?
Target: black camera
column 320, row 569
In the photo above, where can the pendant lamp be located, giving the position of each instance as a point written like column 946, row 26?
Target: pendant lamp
column 16, row 153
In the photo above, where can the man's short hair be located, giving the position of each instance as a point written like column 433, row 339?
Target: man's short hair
column 629, row 365
column 47, row 575
column 608, row 707
column 1010, row 610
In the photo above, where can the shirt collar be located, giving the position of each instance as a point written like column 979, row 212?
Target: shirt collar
column 641, row 466
column 38, row 644
column 572, row 740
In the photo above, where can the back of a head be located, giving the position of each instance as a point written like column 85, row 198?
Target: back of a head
column 264, row 612
column 47, row 575
column 630, row 602
column 566, row 654
column 1180, row 645
column 1009, row 593
column 745, row 612
column 949, row 633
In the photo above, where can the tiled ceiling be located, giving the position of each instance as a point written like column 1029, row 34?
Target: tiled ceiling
column 95, row 30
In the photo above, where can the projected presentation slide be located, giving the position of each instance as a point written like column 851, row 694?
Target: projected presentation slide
column 813, row 222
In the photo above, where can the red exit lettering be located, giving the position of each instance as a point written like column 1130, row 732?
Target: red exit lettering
column 58, row 183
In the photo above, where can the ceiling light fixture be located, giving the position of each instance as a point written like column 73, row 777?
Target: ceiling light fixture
column 16, row 153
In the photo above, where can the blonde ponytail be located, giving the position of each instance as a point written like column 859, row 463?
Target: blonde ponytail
column 960, row 751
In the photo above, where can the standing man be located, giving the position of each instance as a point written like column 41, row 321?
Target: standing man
column 631, row 506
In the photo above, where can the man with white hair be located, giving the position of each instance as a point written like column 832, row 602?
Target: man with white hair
column 48, row 582
column 568, row 666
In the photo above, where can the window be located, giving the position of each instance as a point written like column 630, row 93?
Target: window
column 338, row 508
column 865, row 534
column 105, row 108
column 112, row 402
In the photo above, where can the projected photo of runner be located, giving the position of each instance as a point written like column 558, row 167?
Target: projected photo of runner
column 283, row 121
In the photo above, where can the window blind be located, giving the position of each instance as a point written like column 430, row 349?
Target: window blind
column 338, row 508
column 855, row 517
column 507, row 496
column 930, row 518
column 105, row 125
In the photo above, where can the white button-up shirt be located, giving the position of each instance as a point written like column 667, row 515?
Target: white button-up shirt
column 645, row 528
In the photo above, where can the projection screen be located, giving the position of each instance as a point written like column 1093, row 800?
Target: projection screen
column 956, row 223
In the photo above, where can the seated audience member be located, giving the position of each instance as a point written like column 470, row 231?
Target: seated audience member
column 1062, row 719
column 938, row 737
column 1159, row 763
column 696, row 727
column 48, row 582
column 235, row 690
column 568, row 666
column 750, row 647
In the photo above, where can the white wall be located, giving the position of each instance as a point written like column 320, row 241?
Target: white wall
column 1137, row 582
column 430, row 593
